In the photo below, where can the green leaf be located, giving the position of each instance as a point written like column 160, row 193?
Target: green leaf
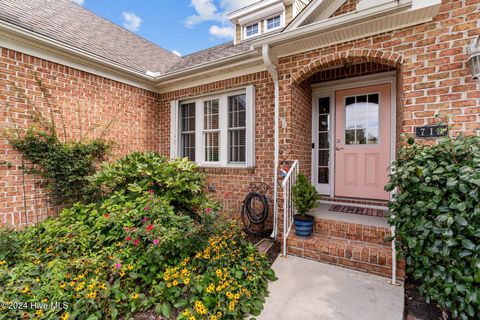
column 467, row 244
column 166, row 310
column 114, row 313
column 460, row 221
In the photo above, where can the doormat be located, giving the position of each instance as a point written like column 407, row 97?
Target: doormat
column 356, row 210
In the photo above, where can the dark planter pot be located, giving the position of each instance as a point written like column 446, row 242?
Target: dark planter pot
column 304, row 224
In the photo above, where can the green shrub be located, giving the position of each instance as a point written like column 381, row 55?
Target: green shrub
column 178, row 180
column 437, row 217
column 110, row 259
column 305, row 196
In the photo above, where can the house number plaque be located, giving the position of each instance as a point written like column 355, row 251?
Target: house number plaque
column 431, row 131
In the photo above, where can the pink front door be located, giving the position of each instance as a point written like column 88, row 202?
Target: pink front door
column 363, row 142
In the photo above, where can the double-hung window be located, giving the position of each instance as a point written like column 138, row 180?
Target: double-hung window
column 215, row 130
column 187, row 128
column 252, row 30
column 273, row 23
column 211, row 130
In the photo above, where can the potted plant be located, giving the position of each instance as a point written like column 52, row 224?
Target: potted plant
column 305, row 197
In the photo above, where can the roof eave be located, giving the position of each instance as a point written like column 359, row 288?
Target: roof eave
column 71, row 51
column 208, row 66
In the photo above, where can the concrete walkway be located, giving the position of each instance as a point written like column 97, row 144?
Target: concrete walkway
column 308, row 290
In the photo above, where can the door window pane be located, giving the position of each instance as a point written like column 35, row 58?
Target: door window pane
column 362, row 119
column 323, row 140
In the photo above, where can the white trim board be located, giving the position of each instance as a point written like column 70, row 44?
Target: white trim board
column 328, row 89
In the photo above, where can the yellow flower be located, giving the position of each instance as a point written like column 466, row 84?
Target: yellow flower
column 2, row 262
column 192, row 317
column 218, row 272
column 200, row 308
column 37, row 279
column 231, row 306
column 65, row 316
column 211, row 288
column 175, row 283
column 72, row 283
column 63, row 285
column 135, row 296
column 236, row 296
column 39, row 312
column 25, row 290
column 169, row 285
column 122, row 273
column 229, row 295
column 186, row 280
column 45, row 300
column 130, row 267
column 213, row 318
column 219, row 314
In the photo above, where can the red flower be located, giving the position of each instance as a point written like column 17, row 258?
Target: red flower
column 147, row 208
column 151, row 191
column 136, row 242
column 149, row 228
column 208, row 210
column 145, row 219
column 106, row 216
column 127, row 229
column 128, row 238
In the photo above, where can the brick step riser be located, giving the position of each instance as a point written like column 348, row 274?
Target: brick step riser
column 365, row 258
column 351, row 231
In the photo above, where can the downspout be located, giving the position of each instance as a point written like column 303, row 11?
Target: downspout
column 271, row 64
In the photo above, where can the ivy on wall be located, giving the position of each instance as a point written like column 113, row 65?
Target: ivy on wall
column 64, row 164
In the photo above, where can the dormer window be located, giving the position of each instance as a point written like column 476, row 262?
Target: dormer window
column 273, row 23
column 252, row 30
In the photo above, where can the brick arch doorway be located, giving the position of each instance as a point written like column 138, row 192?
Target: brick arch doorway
column 353, row 126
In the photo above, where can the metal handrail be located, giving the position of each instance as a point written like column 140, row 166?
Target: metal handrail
column 288, row 207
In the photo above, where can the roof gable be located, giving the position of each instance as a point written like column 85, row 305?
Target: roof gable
column 316, row 10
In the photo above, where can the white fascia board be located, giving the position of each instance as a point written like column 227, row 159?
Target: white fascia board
column 12, row 34
column 335, row 22
column 234, row 16
column 258, row 15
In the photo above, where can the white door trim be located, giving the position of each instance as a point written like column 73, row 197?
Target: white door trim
column 328, row 89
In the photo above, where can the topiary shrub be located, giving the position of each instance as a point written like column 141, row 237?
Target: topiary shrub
column 436, row 213
column 305, row 197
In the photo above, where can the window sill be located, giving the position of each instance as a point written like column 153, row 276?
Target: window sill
column 219, row 166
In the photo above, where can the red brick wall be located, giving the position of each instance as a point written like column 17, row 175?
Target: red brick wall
column 232, row 185
column 348, row 6
column 87, row 104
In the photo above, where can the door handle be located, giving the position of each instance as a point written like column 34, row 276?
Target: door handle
column 338, row 149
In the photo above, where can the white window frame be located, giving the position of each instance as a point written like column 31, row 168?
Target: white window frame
column 282, row 22
column 245, row 36
column 175, row 149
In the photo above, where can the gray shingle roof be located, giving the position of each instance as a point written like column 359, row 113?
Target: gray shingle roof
column 69, row 23
column 211, row 54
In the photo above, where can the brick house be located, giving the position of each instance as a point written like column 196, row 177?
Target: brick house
column 325, row 85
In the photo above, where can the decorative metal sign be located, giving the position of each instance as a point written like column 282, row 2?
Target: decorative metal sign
column 431, row 131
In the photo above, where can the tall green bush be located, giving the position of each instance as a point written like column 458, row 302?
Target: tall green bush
column 436, row 213
column 305, row 196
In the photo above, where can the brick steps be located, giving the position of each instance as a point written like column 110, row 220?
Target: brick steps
column 352, row 231
column 354, row 246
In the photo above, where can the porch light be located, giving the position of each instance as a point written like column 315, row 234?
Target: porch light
column 474, row 58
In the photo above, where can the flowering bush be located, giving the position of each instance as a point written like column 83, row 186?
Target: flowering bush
column 139, row 248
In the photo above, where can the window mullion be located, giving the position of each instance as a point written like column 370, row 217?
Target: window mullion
column 199, row 155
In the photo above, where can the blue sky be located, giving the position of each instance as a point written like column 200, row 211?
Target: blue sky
column 183, row 26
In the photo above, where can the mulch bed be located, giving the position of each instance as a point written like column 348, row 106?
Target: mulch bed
column 416, row 308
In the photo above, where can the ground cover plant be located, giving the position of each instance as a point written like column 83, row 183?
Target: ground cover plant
column 437, row 217
column 153, row 241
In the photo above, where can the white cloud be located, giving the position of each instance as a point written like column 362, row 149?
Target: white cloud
column 221, row 32
column 176, row 53
column 208, row 10
column 131, row 21
column 80, row 2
